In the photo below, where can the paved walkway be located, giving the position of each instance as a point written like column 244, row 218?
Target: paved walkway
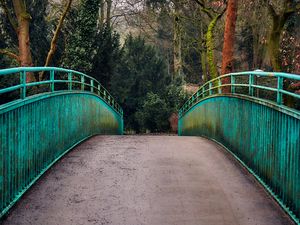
column 147, row 180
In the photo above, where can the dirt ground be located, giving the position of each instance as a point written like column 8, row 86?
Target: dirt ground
column 147, row 180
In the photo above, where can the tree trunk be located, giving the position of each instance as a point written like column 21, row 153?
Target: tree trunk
column 204, row 77
column 202, row 49
column 177, row 56
column 259, row 51
column 229, row 38
column 274, row 46
column 279, row 21
column 274, row 42
column 210, row 47
column 101, row 17
column 23, row 19
column 108, row 12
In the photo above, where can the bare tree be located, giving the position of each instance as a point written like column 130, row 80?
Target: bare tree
column 56, row 33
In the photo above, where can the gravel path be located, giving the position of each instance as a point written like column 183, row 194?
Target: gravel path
column 147, row 180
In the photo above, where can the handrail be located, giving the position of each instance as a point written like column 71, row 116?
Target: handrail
column 94, row 86
column 216, row 83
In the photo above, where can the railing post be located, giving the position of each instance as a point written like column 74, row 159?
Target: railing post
column 104, row 94
column 23, row 83
column 220, row 88
column 232, row 81
column 210, row 88
column 92, row 86
column 52, row 80
column 70, row 81
column 99, row 88
column 251, row 83
column 82, row 82
column 279, row 88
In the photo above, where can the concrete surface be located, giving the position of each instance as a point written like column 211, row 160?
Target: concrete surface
column 147, row 180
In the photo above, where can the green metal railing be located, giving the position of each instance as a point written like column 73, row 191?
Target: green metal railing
column 258, row 130
column 37, row 130
column 216, row 85
column 70, row 78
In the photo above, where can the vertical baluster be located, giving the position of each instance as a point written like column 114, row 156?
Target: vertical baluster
column 220, row 86
column 99, row 87
column 23, row 83
column 92, row 86
column 232, row 78
column 210, row 88
column 52, row 80
column 70, row 81
column 279, row 88
column 82, row 82
column 251, row 83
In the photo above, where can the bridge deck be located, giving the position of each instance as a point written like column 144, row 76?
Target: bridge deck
column 153, row 180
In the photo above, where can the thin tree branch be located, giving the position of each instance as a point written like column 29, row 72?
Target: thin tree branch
column 56, row 33
column 292, row 9
column 10, row 54
column 204, row 8
column 271, row 9
column 210, row 11
column 200, row 3
column 12, row 21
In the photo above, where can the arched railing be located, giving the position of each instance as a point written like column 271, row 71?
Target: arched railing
column 253, row 123
column 44, row 120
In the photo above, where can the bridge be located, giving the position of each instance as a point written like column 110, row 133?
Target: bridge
column 236, row 159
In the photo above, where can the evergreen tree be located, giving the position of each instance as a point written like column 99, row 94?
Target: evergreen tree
column 141, row 71
column 80, row 49
column 107, row 57
column 153, row 114
column 144, row 89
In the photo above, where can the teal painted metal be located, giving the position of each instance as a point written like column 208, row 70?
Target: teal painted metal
column 72, row 77
column 37, row 131
column 210, row 87
column 263, row 135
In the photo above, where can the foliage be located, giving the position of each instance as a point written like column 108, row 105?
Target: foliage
column 38, row 25
column 40, row 33
column 80, row 48
column 142, row 71
column 153, row 114
column 107, row 57
column 175, row 95
column 156, row 110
